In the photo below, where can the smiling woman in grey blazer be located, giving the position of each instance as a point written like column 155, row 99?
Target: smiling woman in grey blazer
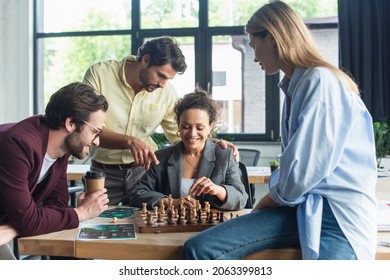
column 195, row 167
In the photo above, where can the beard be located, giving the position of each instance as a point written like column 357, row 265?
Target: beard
column 75, row 145
column 146, row 84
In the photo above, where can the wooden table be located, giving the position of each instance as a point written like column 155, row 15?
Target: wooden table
column 256, row 174
column 149, row 246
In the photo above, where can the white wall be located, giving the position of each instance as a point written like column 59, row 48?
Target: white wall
column 16, row 59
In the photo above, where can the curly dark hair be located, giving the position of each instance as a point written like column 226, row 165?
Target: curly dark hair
column 76, row 101
column 163, row 50
column 199, row 99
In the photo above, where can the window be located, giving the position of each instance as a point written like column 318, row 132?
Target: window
column 72, row 35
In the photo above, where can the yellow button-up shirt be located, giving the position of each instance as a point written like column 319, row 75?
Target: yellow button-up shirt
column 137, row 115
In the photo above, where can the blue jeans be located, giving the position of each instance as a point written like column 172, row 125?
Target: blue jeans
column 265, row 229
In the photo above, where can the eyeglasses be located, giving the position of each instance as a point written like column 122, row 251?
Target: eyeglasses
column 98, row 130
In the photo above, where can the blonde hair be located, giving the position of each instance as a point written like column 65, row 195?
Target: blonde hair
column 294, row 43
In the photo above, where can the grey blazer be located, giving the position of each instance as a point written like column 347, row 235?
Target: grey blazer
column 216, row 163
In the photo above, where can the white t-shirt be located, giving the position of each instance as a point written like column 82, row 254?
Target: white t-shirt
column 47, row 163
column 185, row 186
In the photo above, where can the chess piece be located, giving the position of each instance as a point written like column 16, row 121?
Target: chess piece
column 180, row 209
column 186, row 213
column 170, row 217
column 162, row 207
column 190, row 219
column 159, row 218
column 144, row 209
column 175, row 213
column 193, row 210
column 180, row 214
column 170, row 201
column 198, row 206
column 149, row 221
column 155, row 211
column 221, row 217
column 211, row 218
column 179, row 217
column 200, row 219
column 207, row 207
column 172, row 208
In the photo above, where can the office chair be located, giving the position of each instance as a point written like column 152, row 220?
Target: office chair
column 245, row 181
column 250, row 157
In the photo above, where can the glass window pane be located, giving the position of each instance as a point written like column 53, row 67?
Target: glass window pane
column 86, row 15
column 314, row 8
column 232, row 12
column 185, row 83
column 169, row 13
column 237, row 12
column 67, row 58
column 238, row 85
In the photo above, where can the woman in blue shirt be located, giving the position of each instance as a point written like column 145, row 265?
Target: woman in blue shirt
column 322, row 198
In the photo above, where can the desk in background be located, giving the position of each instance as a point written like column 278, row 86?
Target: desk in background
column 76, row 171
column 256, row 174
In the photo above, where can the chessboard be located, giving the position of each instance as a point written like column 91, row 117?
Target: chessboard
column 180, row 220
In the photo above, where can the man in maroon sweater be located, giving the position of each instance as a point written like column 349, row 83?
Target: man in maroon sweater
column 33, row 162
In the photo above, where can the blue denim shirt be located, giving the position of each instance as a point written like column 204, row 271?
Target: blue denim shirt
column 328, row 150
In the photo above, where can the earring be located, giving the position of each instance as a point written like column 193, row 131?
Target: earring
column 178, row 134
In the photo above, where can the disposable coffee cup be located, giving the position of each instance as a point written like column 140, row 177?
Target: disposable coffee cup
column 94, row 181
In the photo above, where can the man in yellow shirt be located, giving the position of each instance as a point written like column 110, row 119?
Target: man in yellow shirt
column 141, row 98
